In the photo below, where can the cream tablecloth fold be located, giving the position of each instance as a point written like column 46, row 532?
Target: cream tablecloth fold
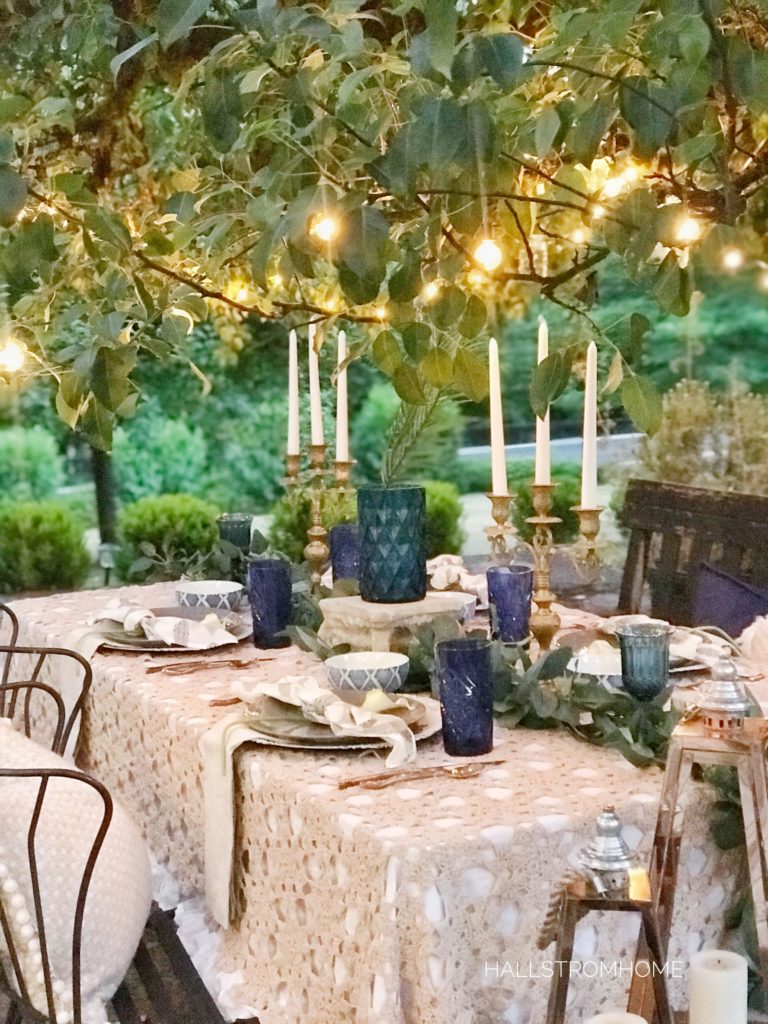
column 218, row 746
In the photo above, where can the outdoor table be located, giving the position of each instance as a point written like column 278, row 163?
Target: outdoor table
column 419, row 903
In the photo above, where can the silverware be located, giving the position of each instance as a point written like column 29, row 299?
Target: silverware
column 183, row 668
column 224, row 702
column 465, row 770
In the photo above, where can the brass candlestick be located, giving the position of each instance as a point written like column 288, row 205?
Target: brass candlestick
column 317, row 551
column 292, row 465
column 589, row 527
column 342, row 470
column 502, row 531
column 544, row 621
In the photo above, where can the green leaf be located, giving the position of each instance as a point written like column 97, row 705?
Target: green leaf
column 694, row 39
column 587, row 132
column 7, row 148
column 222, row 111
column 358, row 289
column 437, row 368
column 470, row 375
column 615, row 375
column 646, row 107
column 122, row 58
column 473, row 318
column 108, row 227
column 386, row 353
column 502, row 55
column 442, row 21
column 549, row 379
column 449, row 307
column 13, row 195
column 405, row 284
column 365, row 243
column 643, row 404
column 547, row 127
column 158, row 244
column 416, row 339
column 174, row 18
column 109, row 377
column 441, row 132
column 408, row 385
column 674, row 286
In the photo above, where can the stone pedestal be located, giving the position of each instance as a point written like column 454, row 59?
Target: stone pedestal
column 379, row 627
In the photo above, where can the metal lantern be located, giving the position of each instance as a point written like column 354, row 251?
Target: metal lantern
column 723, row 703
column 608, row 870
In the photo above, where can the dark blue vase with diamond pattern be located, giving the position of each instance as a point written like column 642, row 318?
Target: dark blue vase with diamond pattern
column 393, row 544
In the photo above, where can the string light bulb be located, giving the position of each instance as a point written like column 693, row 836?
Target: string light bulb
column 579, row 236
column 488, row 254
column 733, row 259
column 688, row 230
column 613, row 187
column 325, row 228
column 12, row 355
column 598, row 212
column 380, row 313
column 430, row 291
column 631, row 173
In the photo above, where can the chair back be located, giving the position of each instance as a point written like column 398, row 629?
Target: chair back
column 31, row 671
column 673, row 529
column 17, row 985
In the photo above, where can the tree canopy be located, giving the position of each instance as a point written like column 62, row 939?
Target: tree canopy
column 411, row 170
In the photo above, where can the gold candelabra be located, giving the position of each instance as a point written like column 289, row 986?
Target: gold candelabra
column 502, row 532
column 589, row 527
column 342, row 469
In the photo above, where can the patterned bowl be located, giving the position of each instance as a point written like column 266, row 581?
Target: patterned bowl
column 221, row 594
column 368, row 670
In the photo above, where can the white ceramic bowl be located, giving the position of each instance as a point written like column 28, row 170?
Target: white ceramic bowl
column 367, row 670
column 220, row 594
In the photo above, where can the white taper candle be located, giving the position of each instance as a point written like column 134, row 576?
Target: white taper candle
column 498, row 455
column 293, row 447
column 542, row 475
column 342, row 415
column 315, row 403
column 718, row 988
column 589, row 448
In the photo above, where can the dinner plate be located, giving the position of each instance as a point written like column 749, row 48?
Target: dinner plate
column 432, row 725
column 239, row 633
column 578, row 639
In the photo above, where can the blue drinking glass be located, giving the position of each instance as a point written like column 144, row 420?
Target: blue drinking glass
column 345, row 551
column 509, row 597
column 466, row 695
column 644, row 657
column 269, row 592
column 235, row 527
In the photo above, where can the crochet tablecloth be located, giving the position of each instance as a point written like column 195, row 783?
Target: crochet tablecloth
column 418, row 904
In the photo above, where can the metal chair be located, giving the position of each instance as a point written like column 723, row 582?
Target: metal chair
column 7, row 612
column 673, row 529
column 12, row 707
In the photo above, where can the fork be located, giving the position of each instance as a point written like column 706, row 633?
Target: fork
column 466, row 770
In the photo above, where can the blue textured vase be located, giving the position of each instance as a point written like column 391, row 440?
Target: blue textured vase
column 466, row 695
column 644, row 657
column 393, row 544
column 235, row 527
column 269, row 593
column 509, row 596
column 344, row 540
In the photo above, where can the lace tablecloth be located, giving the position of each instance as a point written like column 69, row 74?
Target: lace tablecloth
column 418, row 904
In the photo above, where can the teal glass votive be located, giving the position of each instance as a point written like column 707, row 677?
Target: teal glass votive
column 644, row 657
column 393, row 544
column 235, row 527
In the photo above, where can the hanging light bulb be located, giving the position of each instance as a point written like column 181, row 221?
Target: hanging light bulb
column 488, row 254
column 613, row 187
column 12, row 355
column 631, row 173
column 688, row 230
column 430, row 291
column 598, row 212
column 580, row 236
column 325, row 228
column 733, row 259
column 276, row 280
column 380, row 313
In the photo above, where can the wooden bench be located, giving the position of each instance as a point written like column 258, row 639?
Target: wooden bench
column 673, row 529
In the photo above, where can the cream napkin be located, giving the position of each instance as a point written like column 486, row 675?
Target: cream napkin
column 448, row 572
column 218, row 746
column 181, row 632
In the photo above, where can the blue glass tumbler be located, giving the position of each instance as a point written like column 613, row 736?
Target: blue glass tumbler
column 269, row 592
column 509, row 597
column 235, row 527
column 345, row 551
column 644, row 657
column 466, row 695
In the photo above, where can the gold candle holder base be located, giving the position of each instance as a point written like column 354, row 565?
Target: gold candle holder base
column 502, row 531
column 589, row 528
column 342, row 472
column 317, row 551
column 544, row 621
column 292, row 467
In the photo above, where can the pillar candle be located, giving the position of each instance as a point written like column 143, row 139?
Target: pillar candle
column 342, row 424
column 293, row 447
column 718, row 988
column 498, row 455
column 315, row 405
column 542, row 475
column 616, row 1017
column 589, row 449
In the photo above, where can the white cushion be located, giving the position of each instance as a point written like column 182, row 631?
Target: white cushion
column 119, row 895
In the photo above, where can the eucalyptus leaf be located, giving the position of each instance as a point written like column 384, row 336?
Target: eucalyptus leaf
column 442, row 21
column 470, row 375
column 437, row 368
column 386, row 353
column 643, row 404
column 408, row 385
